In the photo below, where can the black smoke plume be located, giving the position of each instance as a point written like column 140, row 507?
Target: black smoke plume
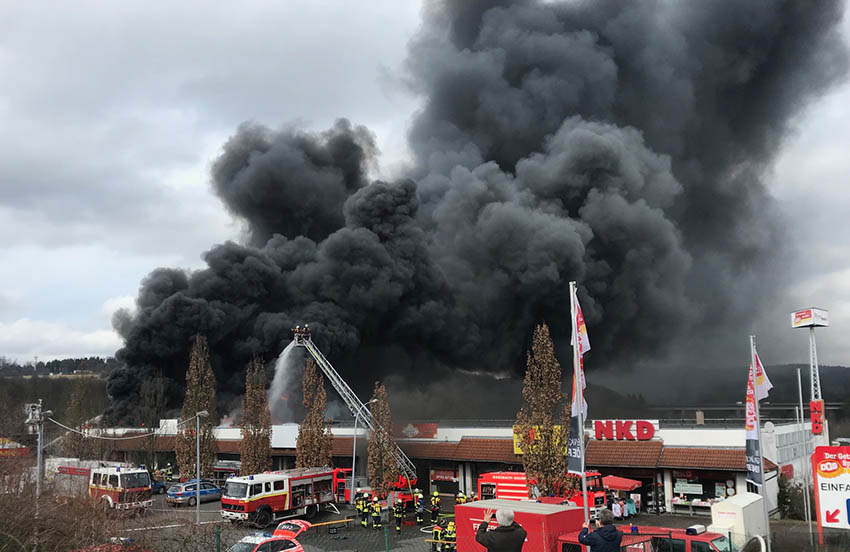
column 620, row 144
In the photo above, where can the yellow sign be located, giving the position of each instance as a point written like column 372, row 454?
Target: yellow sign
column 533, row 437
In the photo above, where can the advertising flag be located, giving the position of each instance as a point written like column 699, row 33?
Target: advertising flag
column 753, row 449
column 581, row 344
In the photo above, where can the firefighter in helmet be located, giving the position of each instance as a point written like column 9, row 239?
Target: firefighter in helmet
column 450, row 538
column 398, row 513
column 435, row 507
column 472, row 497
column 169, row 472
column 360, row 504
column 436, row 536
column 376, row 513
column 460, row 498
column 420, row 508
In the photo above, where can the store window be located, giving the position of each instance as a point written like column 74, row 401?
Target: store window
column 694, row 488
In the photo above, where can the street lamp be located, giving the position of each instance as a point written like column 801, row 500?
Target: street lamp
column 197, row 417
column 354, row 448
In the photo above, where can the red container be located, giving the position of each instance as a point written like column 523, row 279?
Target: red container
column 544, row 523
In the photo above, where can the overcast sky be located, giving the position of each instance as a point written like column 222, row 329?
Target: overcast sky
column 112, row 112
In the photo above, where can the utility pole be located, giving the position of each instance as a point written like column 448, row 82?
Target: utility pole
column 36, row 416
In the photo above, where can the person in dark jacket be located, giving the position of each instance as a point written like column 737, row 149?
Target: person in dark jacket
column 508, row 536
column 606, row 537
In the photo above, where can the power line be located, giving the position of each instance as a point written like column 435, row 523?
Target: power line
column 88, row 436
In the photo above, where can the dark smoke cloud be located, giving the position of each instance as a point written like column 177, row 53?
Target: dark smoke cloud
column 622, row 145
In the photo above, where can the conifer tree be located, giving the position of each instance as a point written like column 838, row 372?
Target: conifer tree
column 314, row 445
column 542, row 424
column 152, row 407
column 383, row 471
column 76, row 445
column 200, row 395
column 255, row 447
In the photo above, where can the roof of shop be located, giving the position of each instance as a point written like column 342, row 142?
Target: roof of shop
column 625, row 454
column 707, row 459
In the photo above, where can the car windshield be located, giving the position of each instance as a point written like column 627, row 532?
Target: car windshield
column 242, row 547
column 236, row 490
column 135, row 480
column 723, row 544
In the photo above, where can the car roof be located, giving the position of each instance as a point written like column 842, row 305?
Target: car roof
column 258, row 538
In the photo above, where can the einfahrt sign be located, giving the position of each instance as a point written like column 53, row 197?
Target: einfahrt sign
column 831, row 468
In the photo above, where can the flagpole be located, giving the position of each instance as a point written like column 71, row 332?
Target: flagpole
column 761, row 489
column 576, row 396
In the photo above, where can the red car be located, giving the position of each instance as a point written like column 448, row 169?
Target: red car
column 282, row 540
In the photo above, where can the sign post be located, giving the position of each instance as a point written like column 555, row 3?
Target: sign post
column 831, row 469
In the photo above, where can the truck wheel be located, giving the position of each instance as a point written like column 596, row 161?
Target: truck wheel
column 263, row 518
column 192, row 501
column 311, row 512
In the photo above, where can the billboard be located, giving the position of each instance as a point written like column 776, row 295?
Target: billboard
column 809, row 317
column 831, row 468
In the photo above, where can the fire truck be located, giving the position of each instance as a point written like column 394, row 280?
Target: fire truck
column 265, row 497
column 514, row 486
column 115, row 487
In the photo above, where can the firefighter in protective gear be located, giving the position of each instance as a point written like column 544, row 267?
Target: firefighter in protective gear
column 376, row 513
column 436, row 535
column 169, row 472
column 420, row 508
column 398, row 513
column 449, row 538
column 435, row 507
column 460, row 498
column 363, row 509
column 473, row 497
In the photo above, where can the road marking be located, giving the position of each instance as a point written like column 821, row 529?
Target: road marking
column 169, row 526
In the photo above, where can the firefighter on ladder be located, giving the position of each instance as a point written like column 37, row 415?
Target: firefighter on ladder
column 435, row 507
column 420, row 509
column 376, row 513
column 449, row 538
column 398, row 512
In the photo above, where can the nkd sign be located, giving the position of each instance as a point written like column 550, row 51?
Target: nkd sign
column 624, row 430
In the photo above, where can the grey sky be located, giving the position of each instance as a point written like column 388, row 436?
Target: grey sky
column 112, row 113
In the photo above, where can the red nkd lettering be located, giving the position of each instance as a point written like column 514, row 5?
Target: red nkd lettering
column 623, row 430
column 604, row 430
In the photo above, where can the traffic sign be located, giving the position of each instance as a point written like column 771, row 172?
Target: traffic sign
column 831, row 468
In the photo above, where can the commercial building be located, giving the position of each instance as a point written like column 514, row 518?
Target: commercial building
column 684, row 466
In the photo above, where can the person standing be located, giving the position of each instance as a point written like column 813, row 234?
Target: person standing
column 376, row 513
column 435, row 507
column 398, row 513
column 420, row 509
column 508, row 536
column 450, row 538
column 606, row 537
column 615, row 509
column 363, row 501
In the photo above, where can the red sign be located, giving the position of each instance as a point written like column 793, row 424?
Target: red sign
column 787, row 471
column 624, row 430
column 816, row 415
column 831, row 470
column 443, row 475
column 74, row 471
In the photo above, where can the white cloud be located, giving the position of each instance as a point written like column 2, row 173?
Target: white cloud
column 24, row 339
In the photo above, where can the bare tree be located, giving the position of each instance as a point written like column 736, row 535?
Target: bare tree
column 200, row 395
column 383, row 471
column 255, row 447
column 314, row 444
column 542, row 424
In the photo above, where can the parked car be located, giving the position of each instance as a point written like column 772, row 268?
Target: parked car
column 186, row 493
column 158, row 487
column 283, row 539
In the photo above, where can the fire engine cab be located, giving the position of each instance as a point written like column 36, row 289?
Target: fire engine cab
column 117, row 487
column 273, row 495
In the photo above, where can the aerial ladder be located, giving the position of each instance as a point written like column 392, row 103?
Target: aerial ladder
column 302, row 338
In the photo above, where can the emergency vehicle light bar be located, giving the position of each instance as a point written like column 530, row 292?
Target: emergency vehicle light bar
column 302, row 338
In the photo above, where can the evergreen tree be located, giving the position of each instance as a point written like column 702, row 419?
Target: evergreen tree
column 152, row 408
column 256, row 446
column 383, row 471
column 542, row 424
column 76, row 445
column 314, row 444
column 200, row 395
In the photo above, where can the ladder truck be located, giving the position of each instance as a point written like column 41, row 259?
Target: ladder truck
column 302, row 338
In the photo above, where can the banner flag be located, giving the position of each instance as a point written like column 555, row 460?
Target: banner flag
column 755, row 465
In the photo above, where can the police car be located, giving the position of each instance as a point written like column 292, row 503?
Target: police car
column 283, row 539
column 187, row 493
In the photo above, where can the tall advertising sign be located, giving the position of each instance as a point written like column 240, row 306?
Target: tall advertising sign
column 831, row 468
column 753, row 448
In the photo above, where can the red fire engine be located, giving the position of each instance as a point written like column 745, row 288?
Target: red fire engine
column 266, row 497
column 118, row 487
column 514, row 486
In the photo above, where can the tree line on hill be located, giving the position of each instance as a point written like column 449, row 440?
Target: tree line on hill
column 95, row 365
